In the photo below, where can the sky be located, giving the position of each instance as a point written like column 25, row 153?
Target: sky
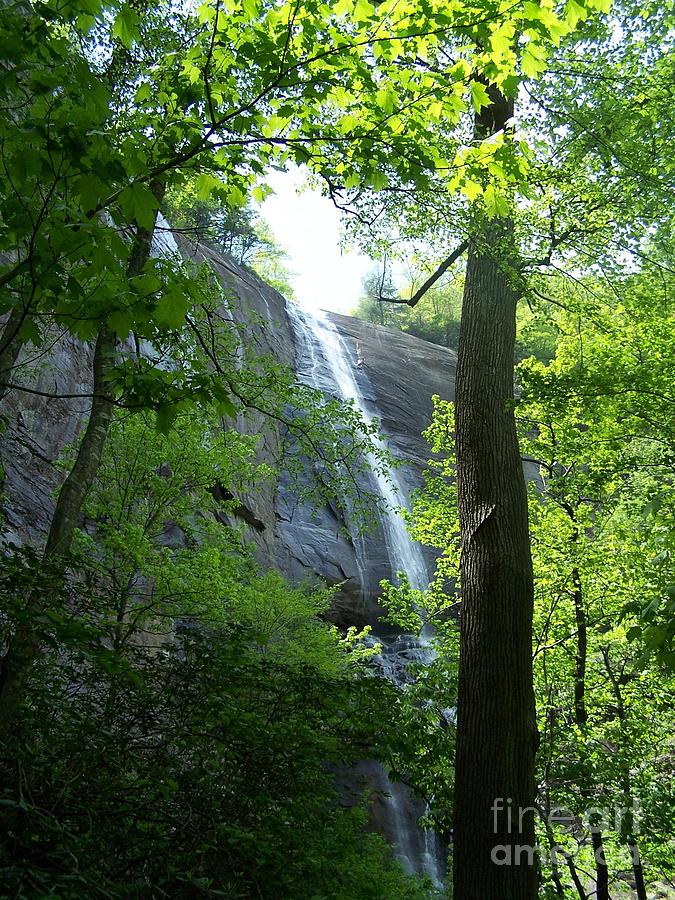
column 307, row 226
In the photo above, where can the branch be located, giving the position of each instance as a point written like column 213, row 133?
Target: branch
column 432, row 279
column 12, row 273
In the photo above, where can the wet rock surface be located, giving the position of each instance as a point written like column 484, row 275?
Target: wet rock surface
column 395, row 377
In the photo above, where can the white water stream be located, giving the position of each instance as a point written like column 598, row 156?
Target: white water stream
column 322, row 344
column 326, row 361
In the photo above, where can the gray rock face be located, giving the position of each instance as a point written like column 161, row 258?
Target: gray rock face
column 37, row 430
column 394, row 812
column 397, row 374
column 260, row 312
column 404, row 373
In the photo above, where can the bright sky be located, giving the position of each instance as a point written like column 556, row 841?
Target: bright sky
column 307, row 226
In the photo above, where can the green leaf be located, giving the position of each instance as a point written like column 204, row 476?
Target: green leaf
column 501, row 39
column 166, row 416
column 531, row 64
column 260, row 192
column 364, row 11
column 171, row 310
column 495, row 204
column 144, row 92
column 206, row 184
column 30, row 332
column 126, row 25
column 225, row 407
column 235, row 195
column 479, row 96
column 139, row 204
column 379, row 180
column 90, row 189
column 386, row 99
column 471, row 190
column 251, row 9
column 574, row 12
column 121, row 322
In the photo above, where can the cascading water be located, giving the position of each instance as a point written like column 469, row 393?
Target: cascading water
column 326, row 361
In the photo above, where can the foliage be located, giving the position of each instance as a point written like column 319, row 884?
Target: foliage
column 215, row 96
column 436, row 316
column 179, row 723
column 599, row 424
column 423, row 752
column 180, row 731
column 597, row 421
column 603, row 411
column 230, row 229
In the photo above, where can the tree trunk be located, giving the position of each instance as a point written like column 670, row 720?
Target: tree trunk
column 627, row 820
column 554, row 852
column 638, row 871
column 494, row 838
column 575, row 878
column 601, row 868
column 25, row 643
column 580, row 713
column 10, row 347
column 80, row 478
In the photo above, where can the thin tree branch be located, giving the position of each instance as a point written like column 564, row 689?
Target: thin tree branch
column 431, row 281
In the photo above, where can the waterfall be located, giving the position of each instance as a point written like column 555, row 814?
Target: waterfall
column 325, row 361
column 323, row 345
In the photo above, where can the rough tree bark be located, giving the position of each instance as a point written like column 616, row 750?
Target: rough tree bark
column 638, row 871
column 496, row 728
column 580, row 711
column 601, row 867
column 628, row 824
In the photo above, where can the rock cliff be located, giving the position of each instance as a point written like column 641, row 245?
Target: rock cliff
column 397, row 375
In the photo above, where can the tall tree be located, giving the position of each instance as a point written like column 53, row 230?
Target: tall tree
column 25, row 643
column 598, row 420
column 348, row 90
column 493, row 834
column 594, row 185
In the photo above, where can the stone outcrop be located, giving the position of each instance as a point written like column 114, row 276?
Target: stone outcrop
column 37, row 429
column 404, row 373
column 398, row 374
